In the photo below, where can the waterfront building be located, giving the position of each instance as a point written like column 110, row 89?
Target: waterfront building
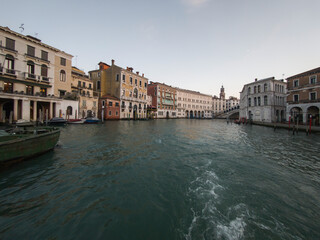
column 123, row 84
column 164, row 98
column 232, row 103
column 192, row 104
column 263, row 100
column 82, row 88
column 27, row 78
column 219, row 103
column 109, row 108
column 303, row 97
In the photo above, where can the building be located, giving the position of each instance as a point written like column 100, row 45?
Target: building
column 192, row 104
column 232, row 103
column 303, row 99
column 27, row 78
column 219, row 103
column 164, row 98
column 82, row 88
column 263, row 100
column 109, row 108
column 124, row 84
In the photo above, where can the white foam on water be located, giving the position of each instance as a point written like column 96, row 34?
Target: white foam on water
column 234, row 230
column 192, row 225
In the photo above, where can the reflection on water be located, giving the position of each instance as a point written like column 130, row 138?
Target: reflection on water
column 166, row 179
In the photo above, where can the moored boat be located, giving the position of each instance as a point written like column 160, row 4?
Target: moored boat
column 76, row 121
column 20, row 144
column 92, row 120
column 57, row 121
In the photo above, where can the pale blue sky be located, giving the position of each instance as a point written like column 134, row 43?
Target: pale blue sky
column 192, row 44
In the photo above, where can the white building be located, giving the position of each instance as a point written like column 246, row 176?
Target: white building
column 232, row 103
column 192, row 104
column 263, row 100
column 27, row 72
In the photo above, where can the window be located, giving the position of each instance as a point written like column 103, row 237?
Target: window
column 62, row 76
column 44, row 72
column 135, row 82
column 255, row 101
column 89, row 85
column 117, row 77
column 84, row 84
column 249, row 90
column 29, row 90
column 296, row 98
column 10, row 44
column 123, row 92
column 110, row 104
column 31, row 51
column 145, row 85
column 44, row 55
column 98, row 85
column 265, row 100
column 117, row 104
column 43, row 92
column 296, row 83
column 116, row 113
column 131, row 80
column 313, row 96
column 249, row 102
column 140, row 83
column 313, row 79
column 258, row 88
column 62, row 93
column 30, row 66
column 8, row 87
column 9, row 64
column 84, row 103
column 259, row 101
column 123, row 78
column 110, row 113
column 103, row 103
column 69, row 110
column 255, row 89
column 135, row 93
column 63, row 61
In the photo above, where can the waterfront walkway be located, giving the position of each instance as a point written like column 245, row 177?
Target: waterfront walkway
column 304, row 128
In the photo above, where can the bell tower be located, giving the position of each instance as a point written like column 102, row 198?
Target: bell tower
column 222, row 94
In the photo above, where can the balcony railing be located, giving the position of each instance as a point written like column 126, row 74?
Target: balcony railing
column 123, row 106
column 34, row 57
column 9, row 49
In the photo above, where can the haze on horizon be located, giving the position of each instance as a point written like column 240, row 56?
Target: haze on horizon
column 192, row 44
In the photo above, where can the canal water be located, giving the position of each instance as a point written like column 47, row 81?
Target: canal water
column 166, row 179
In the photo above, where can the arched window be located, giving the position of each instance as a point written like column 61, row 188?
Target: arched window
column 69, row 110
column 255, row 101
column 9, row 64
column 249, row 102
column 265, row 100
column 255, row 89
column 44, row 72
column 258, row 88
column 62, row 76
column 30, row 65
column 249, row 90
column 265, row 87
column 135, row 93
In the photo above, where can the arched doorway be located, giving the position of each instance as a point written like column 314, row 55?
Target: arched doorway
column 296, row 115
column 202, row 114
column 199, row 114
column 191, row 114
column 167, row 115
column 89, row 113
column 135, row 112
column 69, row 111
column 313, row 113
column 7, row 109
column 187, row 114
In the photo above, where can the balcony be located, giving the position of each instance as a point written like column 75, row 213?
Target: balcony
column 37, row 58
column 9, row 49
column 36, row 78
column 123, row 106
column 8, row 71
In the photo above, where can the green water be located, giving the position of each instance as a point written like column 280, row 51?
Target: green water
column 166, row 179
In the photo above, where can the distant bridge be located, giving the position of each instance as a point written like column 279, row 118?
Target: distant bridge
column 231, row 114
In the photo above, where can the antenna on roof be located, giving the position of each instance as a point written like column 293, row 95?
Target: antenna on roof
column 21, row 27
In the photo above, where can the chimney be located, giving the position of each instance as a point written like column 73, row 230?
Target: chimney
column 112, row 62
column 137, row 73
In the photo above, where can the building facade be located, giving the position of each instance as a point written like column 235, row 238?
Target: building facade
column 263, row 100
column 232, row 103
column 82, row 88
column 192, row 104
column 164, row 98
column 303, row 99
column 27, row 78
column 128, row 86
column 109, row 108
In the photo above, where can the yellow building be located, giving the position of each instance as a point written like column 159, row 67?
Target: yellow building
column 82, row 87
column 62, row 74
column 128, row 86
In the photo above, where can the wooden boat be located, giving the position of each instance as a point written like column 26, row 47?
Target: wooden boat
column 92, row 120
column 76, row 121
column 20, row 144
column 57, row 121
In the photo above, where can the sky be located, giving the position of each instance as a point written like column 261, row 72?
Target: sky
column 192, row 44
